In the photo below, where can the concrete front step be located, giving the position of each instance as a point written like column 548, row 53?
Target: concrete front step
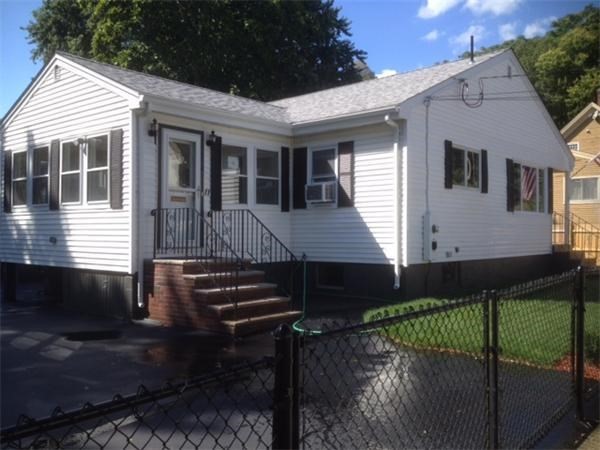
column 208, row 280
column 243, row 292
column 243, row 327
column 249, row 308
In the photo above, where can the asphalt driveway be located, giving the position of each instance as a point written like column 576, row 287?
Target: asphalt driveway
column 51, row 357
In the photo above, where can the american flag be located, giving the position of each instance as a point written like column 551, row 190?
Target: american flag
column 528, row 182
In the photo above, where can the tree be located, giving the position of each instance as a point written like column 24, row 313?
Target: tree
column 258, row 49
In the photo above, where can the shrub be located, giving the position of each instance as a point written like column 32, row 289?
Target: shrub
column 591, row 343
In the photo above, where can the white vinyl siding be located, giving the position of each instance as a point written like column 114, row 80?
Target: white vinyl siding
column 85, row 236
column 478, row 225
column 363, row 233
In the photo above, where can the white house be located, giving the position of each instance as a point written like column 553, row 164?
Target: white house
column 422, row 181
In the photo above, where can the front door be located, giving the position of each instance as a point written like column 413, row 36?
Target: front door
column 181, row 186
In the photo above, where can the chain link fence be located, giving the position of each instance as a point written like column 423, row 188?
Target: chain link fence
column 226, row 409
column 494, row 370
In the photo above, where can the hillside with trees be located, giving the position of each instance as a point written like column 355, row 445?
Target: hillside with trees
column 564, row 64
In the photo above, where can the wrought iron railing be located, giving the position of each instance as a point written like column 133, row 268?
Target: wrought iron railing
column 582, row 235
column 250, row 238
column 184, row 233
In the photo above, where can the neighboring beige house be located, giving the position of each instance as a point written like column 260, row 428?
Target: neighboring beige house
column 582, row 135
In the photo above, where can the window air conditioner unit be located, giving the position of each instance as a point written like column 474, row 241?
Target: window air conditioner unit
column 320, row 192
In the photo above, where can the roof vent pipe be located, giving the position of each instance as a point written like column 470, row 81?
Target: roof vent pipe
column 472, row 49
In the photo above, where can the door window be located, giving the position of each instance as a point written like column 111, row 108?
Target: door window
column 181, row 164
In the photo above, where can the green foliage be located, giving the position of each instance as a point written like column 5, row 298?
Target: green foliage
column 259, row 49
column 564, row 64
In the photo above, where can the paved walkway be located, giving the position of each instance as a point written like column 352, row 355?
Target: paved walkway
column 47, row 362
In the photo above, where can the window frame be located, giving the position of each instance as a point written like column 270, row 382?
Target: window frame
column 247, row 148
column 585, row 201
column 71, row 172
column 540, row 206
column 256, row 177
column 465, row 185
column 84, row 154
column 46, row 176
column 20, row 179
column 320, row 148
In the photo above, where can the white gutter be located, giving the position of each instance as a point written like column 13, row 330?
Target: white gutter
column 397, row 267
column 134, row 207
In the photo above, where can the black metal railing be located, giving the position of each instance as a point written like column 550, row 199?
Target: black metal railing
column 184, row 233
column 250, row 238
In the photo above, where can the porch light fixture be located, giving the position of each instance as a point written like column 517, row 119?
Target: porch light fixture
column 153, row 130
column 211, row 139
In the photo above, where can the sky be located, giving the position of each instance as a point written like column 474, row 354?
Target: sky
column 398, row 35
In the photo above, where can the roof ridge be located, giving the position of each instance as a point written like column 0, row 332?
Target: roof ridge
column 363, row 82
column 137, row 72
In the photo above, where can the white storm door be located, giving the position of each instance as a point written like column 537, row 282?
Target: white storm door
column 182, row 179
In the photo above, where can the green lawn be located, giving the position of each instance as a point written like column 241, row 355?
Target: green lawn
column 532, row 330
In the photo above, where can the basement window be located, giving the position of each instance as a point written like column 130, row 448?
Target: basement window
column 330, row 276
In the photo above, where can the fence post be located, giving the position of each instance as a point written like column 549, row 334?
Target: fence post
column 283, row 395
column 579, row 344
column 296, row 386
column 494, row 418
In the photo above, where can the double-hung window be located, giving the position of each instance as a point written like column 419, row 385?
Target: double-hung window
column 465, row 168
column 97, row 168
column 39, row 176
column 70, row 173
column 323, row 165
column 267, row 177
column 528, row 188
column 586, row 189
column 19, row 178
column 234, row 175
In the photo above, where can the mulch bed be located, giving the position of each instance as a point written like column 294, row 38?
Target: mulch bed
column 591, row 371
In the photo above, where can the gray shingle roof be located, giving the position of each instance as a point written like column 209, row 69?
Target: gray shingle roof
column 372, row 95
column 187, row 93
column 342, row 101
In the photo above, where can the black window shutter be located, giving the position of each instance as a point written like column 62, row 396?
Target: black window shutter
column 510, row 193
column 345, row 174
column 116, row 168
column 54, row 202
column 215, row 174
column 299, row 173
column 448, row 164
column 550, row 182
column 7, row 181
column 484, row 172
column 285, row 179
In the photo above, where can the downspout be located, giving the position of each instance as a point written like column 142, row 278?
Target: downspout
column 397, row 266
column 134, row 198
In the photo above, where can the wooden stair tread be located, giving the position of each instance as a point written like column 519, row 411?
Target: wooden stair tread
column 283, row 317
column 249, row 303
column 243, row 287
column 208, row 275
